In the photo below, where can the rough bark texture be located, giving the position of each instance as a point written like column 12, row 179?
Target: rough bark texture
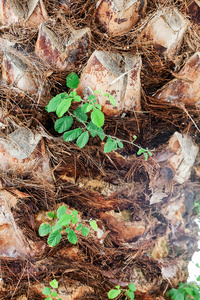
column 147, row 56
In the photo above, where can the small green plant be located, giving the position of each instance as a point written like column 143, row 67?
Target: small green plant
column 129, row 293
column 185, row 291
column 61, row 104
column 51, row 294
column 197, row 206
column 63, row 220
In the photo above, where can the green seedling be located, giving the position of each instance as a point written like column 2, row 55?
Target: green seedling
column 64, row 221
column 90, row 116
column 185, row 291
column 129, row 293
column 49, row 292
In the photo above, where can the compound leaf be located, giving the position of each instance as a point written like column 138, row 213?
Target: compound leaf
column 97, row 117
column 83, row 139
column 72, row 238
column 44, row 229
column 54, row 238
column 72, row 80
column 63, row 124
column 72, row 134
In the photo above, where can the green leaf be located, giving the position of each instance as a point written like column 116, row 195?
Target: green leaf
column 113, row 294
column 54, row 284
column 145, row 156
column 50, row 214
column 135, row 137
column 101, row 133
column 73, row 94
column 198, row 278
column 140, row 151
column 79, row 226
column 106, row 95
column 112, row 100
column 179, row 297
column 77, row 99
column 54, row 238
column 74, row 213
column 81, row 117
column 149, row 152
column 110, row 145
column 85, row 231
column 132, row 287
column 54, row 102
column 65, row 219
column 72, row 80
column 131, row 295
column 72, row 134
column 92, row 128
column 63, row 124
column 97, row 117
column 61, row 211
column 120, row 144
column 92, row 97
column 83, row 139
column 44, row 229
column 63, row 107
column 54, row 294
column 74, row 220
column 97, row 105
column 86, row 107
column 57, row 227
column 67, row 230
column 48, row 298
column 93, row 224
column 46, row 291
column 72, row 238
